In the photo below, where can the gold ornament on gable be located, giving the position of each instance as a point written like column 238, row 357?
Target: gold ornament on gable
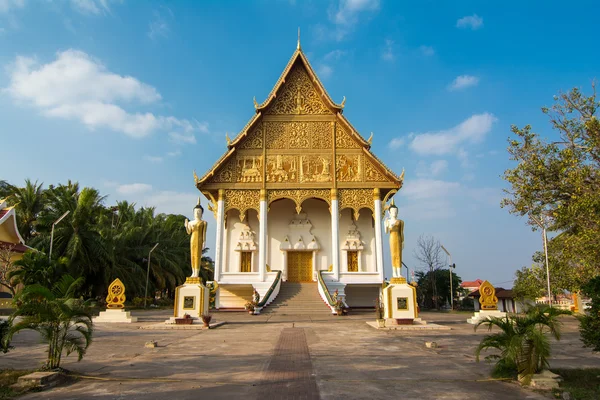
column 282, row 169
column 254, row 139
column 242, row 200
column 298, row 135
column 249, row 168
column 343, row 140
column 298, row 95
column 356, row 199
column 298, row 196
column 348, row 168
column 372, row 174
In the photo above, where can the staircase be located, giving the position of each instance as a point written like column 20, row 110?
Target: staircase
column 298, row 299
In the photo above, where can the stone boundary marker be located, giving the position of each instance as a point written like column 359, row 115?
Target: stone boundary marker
column 162, row 326
column 428, row 327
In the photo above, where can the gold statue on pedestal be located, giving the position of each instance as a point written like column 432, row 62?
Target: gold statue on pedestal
column 116, row 295
column 395, row 227
column 488, row 299
column 197, row 230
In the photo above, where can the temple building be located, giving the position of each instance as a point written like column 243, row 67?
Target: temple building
column 11, row 243
column 298, row 197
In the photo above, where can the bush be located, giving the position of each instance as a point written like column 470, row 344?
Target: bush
column 4, row 342
column 138, row 302
column 589, row 324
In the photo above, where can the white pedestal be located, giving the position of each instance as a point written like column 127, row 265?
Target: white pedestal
column 191, row 299
column 400, row 300
column 115, row 315
column 485, row 314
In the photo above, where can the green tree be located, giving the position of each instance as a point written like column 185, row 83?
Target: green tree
column 35, row 268
column 440, row 279
column 557, row 183
column 29, row 201
column 64, row 321
column 523, row 341
column 590, row 321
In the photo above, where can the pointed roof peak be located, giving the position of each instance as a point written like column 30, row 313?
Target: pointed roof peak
column 298, row 47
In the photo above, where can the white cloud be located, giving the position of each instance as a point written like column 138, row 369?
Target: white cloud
column 438, row 167
column 175, row 153
column 78, row 87
column 396, row 143
column 95, row 7
column 325, row 71
column 153, row 159
column 334, row 55
column 347, row 14
column 171, row 202
column 472, row 21
column 472, row 130
column 463, row 82
column 182, row 138
column 427, row 50
column 7, row 5
column 134, row 188
column 159, row 26
column 388, row 51
column 421, row 189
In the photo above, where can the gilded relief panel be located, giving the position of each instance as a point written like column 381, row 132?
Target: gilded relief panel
column 226, row 174
column 254, row 140
column 282, row 168
column 348, row 167
column 315, row 168
column 298, row 95
column 356, row 199
column 372, row 174
column 343, row 140
column 242, row 200
column 248, row 168
column 298, row 135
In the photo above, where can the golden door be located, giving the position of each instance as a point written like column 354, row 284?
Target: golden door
column 299, row 266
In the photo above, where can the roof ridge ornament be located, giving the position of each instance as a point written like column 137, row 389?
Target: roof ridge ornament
column 299, row 47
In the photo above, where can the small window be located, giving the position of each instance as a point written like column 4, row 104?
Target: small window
column 246, row 261
column 353, row 261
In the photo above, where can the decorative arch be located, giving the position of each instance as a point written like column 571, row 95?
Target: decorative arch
column 356, row 199
column 242, row 200
column 298, row 196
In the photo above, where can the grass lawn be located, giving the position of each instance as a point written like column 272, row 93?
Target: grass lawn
column 7, row 378
column 581, row 384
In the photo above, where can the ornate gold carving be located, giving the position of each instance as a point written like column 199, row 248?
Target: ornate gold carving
column 248, row 168
column 348, row 168
column 242, row 200
column 116, row 294
column 315, row 169
column 298, row 95
column 398, row 280
column 212, row 203
column 282, row 168
column 343, row 140
column 226, row 174
column 298, row 135
column 356, row 199
column 227, row 139
column 193, row 281
column 298, row 196
column 254, row 139
column 196, row 179
column 488, row 299
column 372, row 174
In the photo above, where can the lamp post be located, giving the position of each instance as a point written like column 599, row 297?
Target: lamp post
column 148, row 274
column 545, row 239
column 450, row 267
column 407, row 271
column 52, row 233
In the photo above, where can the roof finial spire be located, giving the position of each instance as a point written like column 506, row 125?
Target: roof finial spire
column 299, row 48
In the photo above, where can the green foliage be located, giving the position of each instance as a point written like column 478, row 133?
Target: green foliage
column 556, row 183
column 63, row 320
column 530, row 282
column 4, row 341
column 523, row 341
column 434, row 287
column 590, row 321
column 581, row 384
column 100, row 243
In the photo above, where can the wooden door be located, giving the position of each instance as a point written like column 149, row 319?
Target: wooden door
column 299, row 266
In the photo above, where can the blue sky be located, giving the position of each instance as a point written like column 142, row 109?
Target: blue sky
column 131, row 96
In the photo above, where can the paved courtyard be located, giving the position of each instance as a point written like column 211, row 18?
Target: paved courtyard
column 285, row 357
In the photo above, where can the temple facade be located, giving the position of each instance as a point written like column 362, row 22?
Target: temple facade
column 298, row 197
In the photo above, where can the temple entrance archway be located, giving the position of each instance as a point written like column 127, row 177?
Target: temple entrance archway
column 299, row 266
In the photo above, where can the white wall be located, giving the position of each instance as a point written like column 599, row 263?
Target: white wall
column 281, row 212
column 231, row 260
column 366, row 228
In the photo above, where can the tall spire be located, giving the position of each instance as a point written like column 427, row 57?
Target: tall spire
column 298, row 47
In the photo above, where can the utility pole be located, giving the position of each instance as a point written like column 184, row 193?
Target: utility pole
column 450, row 267
column 542, row 225
column 148, row 275
column 52, row 233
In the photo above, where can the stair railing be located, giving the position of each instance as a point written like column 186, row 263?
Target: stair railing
column 271, row 293
column 324, row 292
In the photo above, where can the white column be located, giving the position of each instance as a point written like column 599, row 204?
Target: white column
column 378, row 238
column 220, row 233
column 262, row 238
column 335, row 241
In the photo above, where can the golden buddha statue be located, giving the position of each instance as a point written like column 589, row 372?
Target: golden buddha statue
column 395, row 227
column 197, row 230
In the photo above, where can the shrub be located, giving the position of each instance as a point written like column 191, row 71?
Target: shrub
column 589, row 323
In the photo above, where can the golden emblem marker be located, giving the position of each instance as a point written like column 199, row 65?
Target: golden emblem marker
column 488, row 299
column 116, row 294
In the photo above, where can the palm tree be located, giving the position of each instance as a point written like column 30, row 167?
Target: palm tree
column 35, row 268
column 29, row 202
column 64, row 321
column 523, row 341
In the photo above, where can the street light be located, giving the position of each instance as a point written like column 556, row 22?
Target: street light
column 545, row 239
column 148, row 274
column 52, row 234
column 450, row 266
